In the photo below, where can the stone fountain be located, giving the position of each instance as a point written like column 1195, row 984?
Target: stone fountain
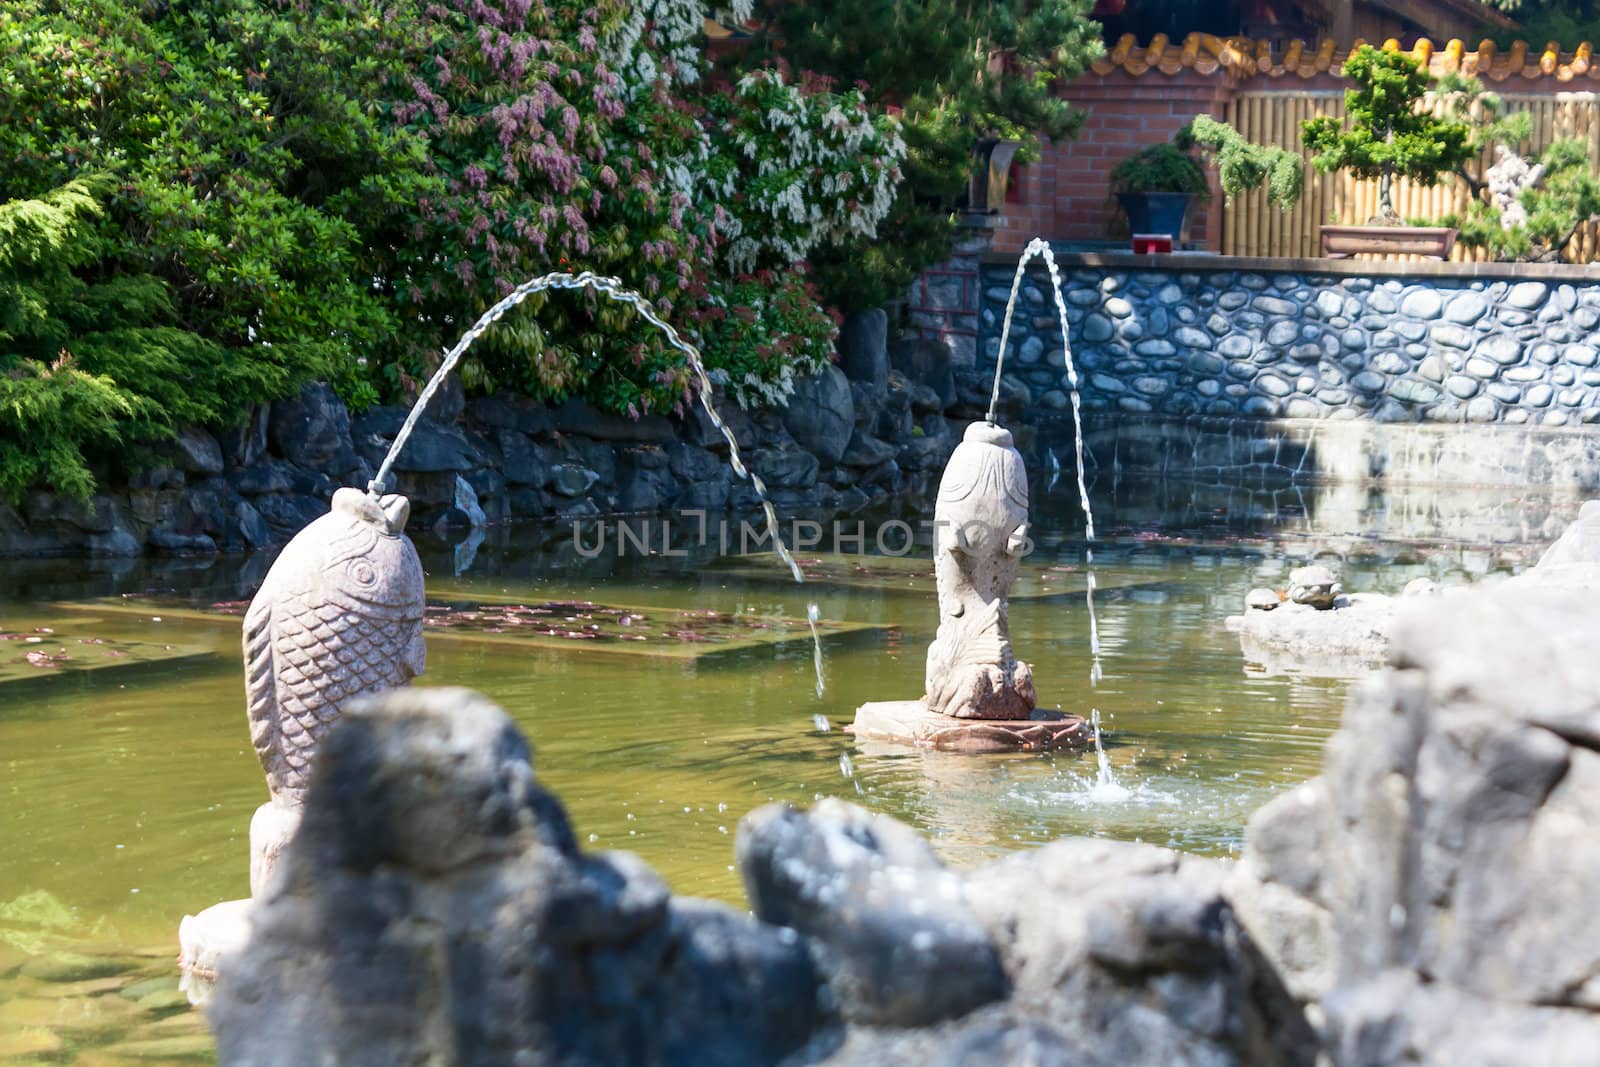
column 979, row 697
column 338, row 617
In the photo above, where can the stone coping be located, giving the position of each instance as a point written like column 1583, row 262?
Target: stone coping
column 1189, row 262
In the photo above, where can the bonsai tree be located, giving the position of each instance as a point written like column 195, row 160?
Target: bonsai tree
column 1243, row 165
column 1522, row 209
column 1160, row 168
column 1154, row 187
column 1390, row 131
column 1535, row 219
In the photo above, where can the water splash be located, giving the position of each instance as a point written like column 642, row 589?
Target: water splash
column 1106, row 788
column 613, row 289
column 1040, row 247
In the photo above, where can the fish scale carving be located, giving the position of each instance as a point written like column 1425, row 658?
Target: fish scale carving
column 339, row 616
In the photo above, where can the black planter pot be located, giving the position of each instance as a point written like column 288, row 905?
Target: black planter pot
column 1155, row 212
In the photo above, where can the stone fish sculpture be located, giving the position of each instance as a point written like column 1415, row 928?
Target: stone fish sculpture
column 981, row 533
column 338, row 616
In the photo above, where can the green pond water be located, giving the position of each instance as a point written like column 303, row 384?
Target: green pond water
column 127, row 780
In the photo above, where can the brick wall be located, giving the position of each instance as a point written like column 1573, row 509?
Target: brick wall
column 1065, row 196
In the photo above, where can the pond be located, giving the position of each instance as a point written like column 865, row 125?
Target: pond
column 666, row 697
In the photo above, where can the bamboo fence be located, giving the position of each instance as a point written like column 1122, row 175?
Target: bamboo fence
column 1253, row 227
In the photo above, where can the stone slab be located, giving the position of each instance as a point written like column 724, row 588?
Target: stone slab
column 913, row 575
column 908, row 722
column 1344, row 641
column 576, row 626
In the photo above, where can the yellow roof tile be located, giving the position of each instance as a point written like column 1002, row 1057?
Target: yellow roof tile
column 1244, row 58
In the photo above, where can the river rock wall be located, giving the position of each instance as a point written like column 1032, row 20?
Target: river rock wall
column 1297, row 343
column 880, row 422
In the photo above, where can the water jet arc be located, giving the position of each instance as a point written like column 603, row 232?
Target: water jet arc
column 613, row 289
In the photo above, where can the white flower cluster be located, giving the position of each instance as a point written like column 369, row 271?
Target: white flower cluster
column 822, row 169
column 675, row 29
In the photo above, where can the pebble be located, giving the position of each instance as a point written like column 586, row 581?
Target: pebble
column 1261, row 599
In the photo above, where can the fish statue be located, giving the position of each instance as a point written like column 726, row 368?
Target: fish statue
column 980, row 537
column 339, row 616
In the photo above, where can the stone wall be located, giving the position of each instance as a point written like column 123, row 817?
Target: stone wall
column 944, row 301
column 882, row 422
column 1243, row 452
column 1307, row 339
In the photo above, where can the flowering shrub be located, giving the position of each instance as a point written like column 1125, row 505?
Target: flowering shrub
column 803, row 165
column 765, row 330
column 276, row 192
column 555, row 152
column 669, row 29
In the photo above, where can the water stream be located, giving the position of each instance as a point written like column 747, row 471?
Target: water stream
column 1040, row 247
column 613, row 289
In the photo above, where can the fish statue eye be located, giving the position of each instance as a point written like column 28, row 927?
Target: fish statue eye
column 363, row 573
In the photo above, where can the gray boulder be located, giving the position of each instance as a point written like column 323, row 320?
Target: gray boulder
column 863, row 348
column 926, row 363
column 1136, row 949
column 1574, row 560
column 432, row 447
column 821, row 414
column 896, row 939
column 1440, row 859
column 196, row 451
column 244, row 444
column 509, row 411
column 448, row 402
column 313, row 430
column 434, row 907
column 784, row 468
column 578, row 416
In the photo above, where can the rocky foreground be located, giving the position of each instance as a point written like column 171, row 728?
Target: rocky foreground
column 1427, row 900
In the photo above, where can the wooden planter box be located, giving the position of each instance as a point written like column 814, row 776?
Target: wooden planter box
column 1342, row 242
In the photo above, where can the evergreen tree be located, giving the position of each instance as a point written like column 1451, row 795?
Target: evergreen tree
column 1390, row 132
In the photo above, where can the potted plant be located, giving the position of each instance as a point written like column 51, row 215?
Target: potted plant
column 1155, row 187
column 1390, row 134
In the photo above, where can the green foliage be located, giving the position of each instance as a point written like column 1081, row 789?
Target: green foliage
column 1390, row 133
column 186, row 257
column 50, row 408
column 957, row 71
column 1242, row 165
column 1566, row 197
column 1160, row 168
column 212, row 204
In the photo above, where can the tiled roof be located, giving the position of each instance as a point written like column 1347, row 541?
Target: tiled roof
column 1245, row 58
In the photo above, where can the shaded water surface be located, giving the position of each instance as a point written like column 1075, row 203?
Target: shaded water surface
column 127, row 789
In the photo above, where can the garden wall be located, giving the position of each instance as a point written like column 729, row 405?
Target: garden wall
column 1407, row 353
column 1140, row 94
